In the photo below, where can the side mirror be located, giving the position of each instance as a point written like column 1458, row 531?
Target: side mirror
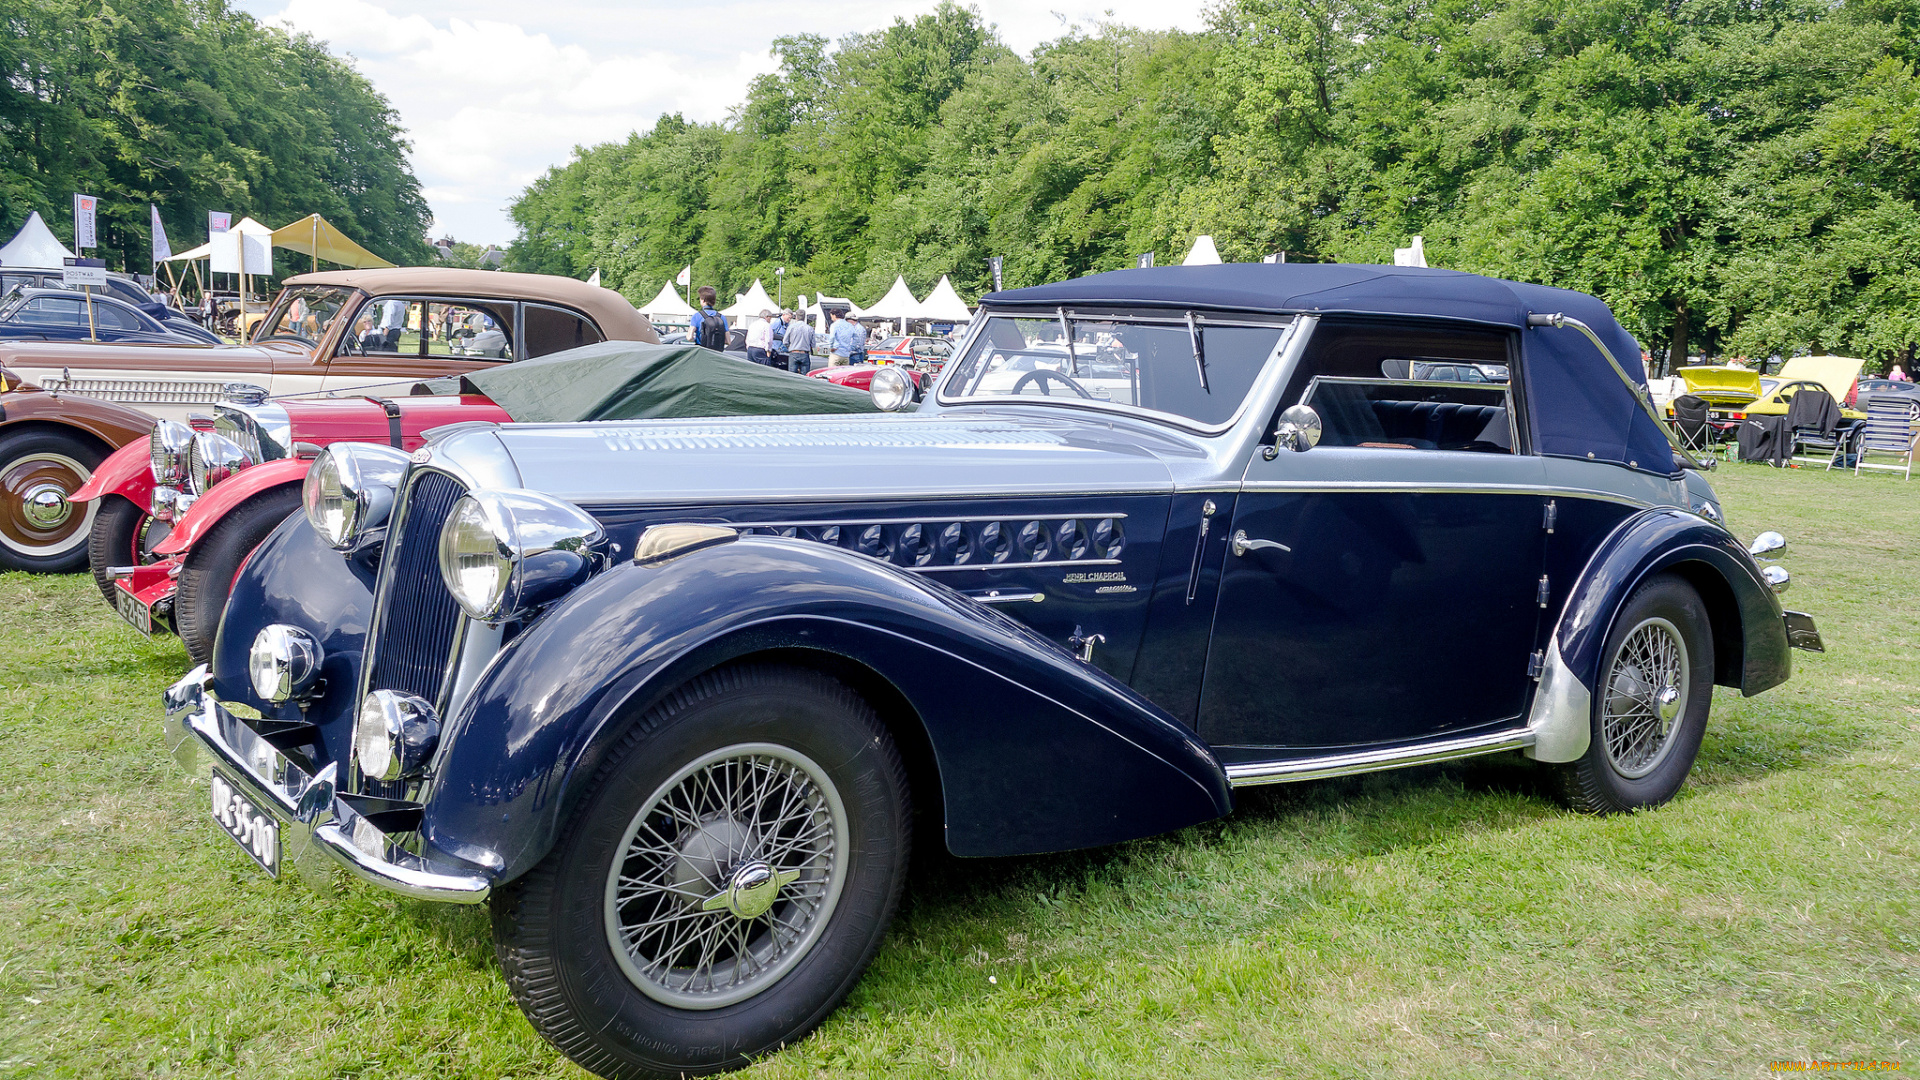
column 1298, row 429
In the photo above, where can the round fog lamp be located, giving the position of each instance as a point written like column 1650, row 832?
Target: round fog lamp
column 283, row 662
column 394, row 735
column 891, row 389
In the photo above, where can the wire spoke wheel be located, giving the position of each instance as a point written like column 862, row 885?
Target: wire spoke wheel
column 1646, row 693
column 726, row 876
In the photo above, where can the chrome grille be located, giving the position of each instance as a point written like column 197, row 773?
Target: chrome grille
column 419, row 621
column 138, row 391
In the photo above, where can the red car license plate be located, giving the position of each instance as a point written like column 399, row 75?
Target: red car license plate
column 132, row 609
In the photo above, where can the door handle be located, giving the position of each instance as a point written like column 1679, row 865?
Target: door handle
column 1242, row 545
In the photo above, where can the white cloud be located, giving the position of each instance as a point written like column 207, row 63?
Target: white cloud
column 493, row 95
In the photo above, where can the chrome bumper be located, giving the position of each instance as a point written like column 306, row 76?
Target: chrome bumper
column 319, row 831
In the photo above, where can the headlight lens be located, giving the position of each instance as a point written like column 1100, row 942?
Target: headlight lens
column 212, row 458
column 283, row 662
column 891, row 389
column 394, row 735
column 504, row 553
column 350, row 489
column 167, row 451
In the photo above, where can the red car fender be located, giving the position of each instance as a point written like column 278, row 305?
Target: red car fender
column 127, row 471
column 208, row 509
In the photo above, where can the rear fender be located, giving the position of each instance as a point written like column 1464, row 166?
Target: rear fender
column 208, row 510
column 127, row 471
column 1750, row 638
column 1034, row 750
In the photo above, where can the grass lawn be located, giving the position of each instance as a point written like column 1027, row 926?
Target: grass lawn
column 1445, row 921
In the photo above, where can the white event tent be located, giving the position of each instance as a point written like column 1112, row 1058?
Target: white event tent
column 749, row 304
column 35, row 246
column 245, row 226
column 668, row 306
column 944, row 305
column 898, row 304
column 1203, row 253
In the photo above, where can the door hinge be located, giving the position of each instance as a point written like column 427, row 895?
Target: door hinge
column 1207, row 510
column 1546, row 591
column 1553, row 511
column 1536, row 664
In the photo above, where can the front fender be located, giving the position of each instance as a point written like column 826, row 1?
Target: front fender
column 209, row 509
column 1035, row 751
column 1750, row 638
column 127, row 471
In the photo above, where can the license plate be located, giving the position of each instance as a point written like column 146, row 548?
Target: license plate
column 256, row 831
column 132, row 609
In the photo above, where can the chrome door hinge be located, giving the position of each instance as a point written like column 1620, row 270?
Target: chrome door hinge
column 1546, row 591
column 1207, row 510
column 1553, row 511
column 1536, row 664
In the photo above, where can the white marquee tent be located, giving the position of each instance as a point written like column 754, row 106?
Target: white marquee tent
column 35, row 246
column 245, row 225
column 944, row 305
column 667, row 305
column 749, row 304
column 1203, row 253
column 897, row 304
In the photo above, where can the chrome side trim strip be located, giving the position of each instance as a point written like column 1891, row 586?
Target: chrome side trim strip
column 849, row 523
column 1431, row 488
column 995, row 596
column 1253, row 773
column 929, row 493
column 1011, row 565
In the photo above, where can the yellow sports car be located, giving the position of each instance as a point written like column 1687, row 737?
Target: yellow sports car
column 1732, row 394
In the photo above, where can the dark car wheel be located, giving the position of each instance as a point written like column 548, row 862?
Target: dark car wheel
column 207, row 573
column 39, row 529
column 729, row 872
column 1650, row 709
column 123, row 534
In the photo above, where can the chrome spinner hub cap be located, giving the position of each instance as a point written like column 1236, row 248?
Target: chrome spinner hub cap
column 46, row 506
column 727, row 876
column 1646, row 694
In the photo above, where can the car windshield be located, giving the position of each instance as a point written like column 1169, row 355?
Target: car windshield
column 1197, row 370
column 11, row 306
column 303, row 312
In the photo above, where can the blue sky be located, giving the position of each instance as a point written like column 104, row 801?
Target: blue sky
column 492, row 92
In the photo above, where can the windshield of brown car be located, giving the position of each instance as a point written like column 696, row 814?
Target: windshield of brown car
column 302, row 313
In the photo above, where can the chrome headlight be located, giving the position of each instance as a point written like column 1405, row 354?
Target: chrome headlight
column 262, row 428
column 892, row 390
column 164, row 503
column 212, row 458
column 167, row 451
column 350, row 489
column 283, row 662
column 394, row 735
column 504, row 553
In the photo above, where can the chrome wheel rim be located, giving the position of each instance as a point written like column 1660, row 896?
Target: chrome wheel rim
column 727, row 875
column 1646, row 694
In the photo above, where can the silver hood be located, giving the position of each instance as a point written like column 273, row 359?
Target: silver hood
column 814, row 458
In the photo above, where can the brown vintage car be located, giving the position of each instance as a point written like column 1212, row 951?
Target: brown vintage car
column 327, row 331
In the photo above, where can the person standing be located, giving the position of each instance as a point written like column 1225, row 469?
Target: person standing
column 799, row 345
column 846, row 340
column 709, row 327
column 760, row 339
column 777, row 341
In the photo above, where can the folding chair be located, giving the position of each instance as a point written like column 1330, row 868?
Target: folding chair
column 1690, row 421
column 1892, row 427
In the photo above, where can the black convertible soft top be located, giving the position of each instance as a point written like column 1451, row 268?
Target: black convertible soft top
column 1579, row 406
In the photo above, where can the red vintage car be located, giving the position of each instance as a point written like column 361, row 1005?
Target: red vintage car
column 180, row 512
column 860, row 376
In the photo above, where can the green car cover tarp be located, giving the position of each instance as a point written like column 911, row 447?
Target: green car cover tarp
column 630, row 380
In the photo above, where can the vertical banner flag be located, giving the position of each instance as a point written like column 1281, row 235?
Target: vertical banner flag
column 162, row 251
column 218, row 222
column 994, row 263
column 1146, row 261
column 83, row 221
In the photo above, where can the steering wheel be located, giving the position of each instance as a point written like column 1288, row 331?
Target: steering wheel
column 1041, row 375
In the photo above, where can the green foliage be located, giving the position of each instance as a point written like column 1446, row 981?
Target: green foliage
column 1737, row 177
column 190, row 106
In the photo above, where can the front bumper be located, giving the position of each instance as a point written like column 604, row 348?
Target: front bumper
column 319, row 828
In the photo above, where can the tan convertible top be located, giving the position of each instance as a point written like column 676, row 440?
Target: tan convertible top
column 617, row 318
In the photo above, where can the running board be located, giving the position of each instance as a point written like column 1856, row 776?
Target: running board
column 1251, row 773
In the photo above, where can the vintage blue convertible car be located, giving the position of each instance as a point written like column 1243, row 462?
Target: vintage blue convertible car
column 671, row 696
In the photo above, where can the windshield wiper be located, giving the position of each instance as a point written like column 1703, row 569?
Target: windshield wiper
column 1199, row 351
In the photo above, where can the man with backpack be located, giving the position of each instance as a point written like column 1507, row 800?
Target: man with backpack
column 709, row 329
